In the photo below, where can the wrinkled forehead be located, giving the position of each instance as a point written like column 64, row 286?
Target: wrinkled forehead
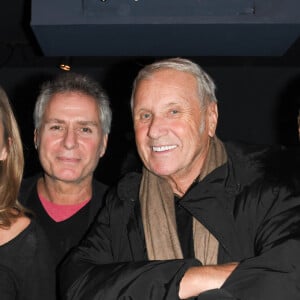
column 167, row 83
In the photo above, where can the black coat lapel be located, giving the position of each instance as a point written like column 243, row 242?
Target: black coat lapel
column 209, row 202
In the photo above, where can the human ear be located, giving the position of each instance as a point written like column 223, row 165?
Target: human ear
column 35, row 138
column 103, row 144
column 212, row 114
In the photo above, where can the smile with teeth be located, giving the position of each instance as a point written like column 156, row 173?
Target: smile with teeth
column 163, row 148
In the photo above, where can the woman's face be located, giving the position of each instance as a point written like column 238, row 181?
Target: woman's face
column 3, row 148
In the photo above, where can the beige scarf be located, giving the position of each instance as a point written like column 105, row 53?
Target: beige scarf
column 158, row 213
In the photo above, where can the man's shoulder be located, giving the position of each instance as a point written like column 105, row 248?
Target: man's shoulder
column 127, row 187
column 284, row 168
column 246, row 151
column 123, row 197
column 256, row 156
column 274, row 163
column 248, row 162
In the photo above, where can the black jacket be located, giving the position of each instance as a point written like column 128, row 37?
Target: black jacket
column 255, row 215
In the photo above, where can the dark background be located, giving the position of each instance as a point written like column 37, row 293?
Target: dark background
column 257, row 94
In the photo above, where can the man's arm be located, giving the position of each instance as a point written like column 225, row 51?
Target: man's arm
column 200, row 279
column 272, row 221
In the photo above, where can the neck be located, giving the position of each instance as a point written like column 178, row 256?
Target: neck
column 61, row 192
column 180, row 187
column 182, row 181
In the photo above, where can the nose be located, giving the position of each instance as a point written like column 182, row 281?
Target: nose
column 70, row 139
column 157, row 128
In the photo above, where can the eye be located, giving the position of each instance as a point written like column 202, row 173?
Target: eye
column 174, row 111
column 86, row 130
column 146, row 116
column 56, row 127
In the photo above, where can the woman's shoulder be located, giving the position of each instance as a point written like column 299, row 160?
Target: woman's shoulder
column 18, row 225
column 25, row 258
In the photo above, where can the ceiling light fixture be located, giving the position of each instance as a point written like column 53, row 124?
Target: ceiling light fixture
column 65, row 63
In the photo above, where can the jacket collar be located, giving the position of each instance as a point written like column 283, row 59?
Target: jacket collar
column 210, row 202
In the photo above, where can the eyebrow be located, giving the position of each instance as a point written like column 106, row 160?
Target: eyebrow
column 92, row 123
column 80, row 122
column 165, row 106
column 170, row 104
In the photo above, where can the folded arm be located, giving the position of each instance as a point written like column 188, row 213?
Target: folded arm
column 203, row 278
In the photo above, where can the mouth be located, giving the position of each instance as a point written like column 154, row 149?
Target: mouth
column 163, row 148
column 68, row 159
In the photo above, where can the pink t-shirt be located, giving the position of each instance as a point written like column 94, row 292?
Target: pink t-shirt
column 61, row 212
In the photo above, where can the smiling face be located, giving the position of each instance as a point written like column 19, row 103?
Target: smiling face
column 172, row 130
column 70, row 140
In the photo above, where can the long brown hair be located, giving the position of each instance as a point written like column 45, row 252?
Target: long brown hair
column 11, row 169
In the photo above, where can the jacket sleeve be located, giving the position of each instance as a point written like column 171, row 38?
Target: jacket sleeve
column 95, row 270
column 129, row 280
column 271, row 218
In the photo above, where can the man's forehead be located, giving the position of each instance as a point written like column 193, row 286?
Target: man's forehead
column 80, row 121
